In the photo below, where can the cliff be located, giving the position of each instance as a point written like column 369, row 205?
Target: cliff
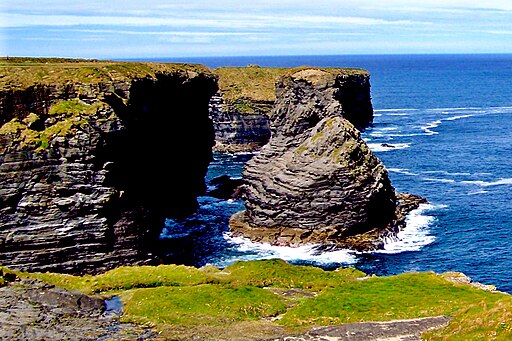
column 94, row 155
column 316, row 181
column 240, row 111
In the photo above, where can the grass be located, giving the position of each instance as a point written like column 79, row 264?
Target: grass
column 277, row 273
column 241, row 300
column 6, row 276
column 205, row 304
column 68, row 115
column 252, row 89
column 125, row 278
column 406, row 296
column 21, row 73
column 480, row 321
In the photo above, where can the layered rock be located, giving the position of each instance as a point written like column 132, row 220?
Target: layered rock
column 89, row 169
column 240, row 111
column 236, row 131
column 317, row 181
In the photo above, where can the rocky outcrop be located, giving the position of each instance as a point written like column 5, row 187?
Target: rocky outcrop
column 90, row 170
column 240, row 110
column 33, row 310
column 317, row 181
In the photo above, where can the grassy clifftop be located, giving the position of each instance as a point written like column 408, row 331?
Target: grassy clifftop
column 262, row 299
column 20, row 73
column 247, row 89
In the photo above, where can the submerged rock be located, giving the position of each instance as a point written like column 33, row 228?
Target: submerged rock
column 316, row 181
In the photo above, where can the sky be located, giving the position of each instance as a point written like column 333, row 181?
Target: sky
column 199, row 28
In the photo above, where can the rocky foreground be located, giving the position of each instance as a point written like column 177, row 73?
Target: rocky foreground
column 317, row 181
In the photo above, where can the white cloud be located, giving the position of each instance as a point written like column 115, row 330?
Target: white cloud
column 256, row 26
column 213, row 21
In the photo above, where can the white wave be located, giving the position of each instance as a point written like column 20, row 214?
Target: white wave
column 377, row 115
column 478, row 192
column 447, row 173
column 235, row 154
column 376, row 134
column 448, row 181
column 308, row 253
column 432, row 125
column 387, row 128
column 454, row 109
column 453, row 118
column 401, row 171
column 386, row 147
column 416, row 233
column 399, row 114
column 507, row 181
column 391, row 110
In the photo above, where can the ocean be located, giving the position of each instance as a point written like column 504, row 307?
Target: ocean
column 442, row 128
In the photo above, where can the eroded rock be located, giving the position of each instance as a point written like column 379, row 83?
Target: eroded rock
column 90, row 189
column 316, row 181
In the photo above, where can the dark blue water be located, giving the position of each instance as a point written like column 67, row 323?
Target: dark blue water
column 448, row 118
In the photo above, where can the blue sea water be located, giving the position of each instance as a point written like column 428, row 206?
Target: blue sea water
column 445, row 122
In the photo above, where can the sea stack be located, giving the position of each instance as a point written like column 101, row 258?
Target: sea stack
column 316, row 181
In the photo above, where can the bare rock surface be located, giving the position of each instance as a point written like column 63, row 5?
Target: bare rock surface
column 33, row 310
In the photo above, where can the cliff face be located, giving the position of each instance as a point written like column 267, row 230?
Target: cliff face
column 237, row 131
column 240, row 111
column 89, row 170
column 317, row 181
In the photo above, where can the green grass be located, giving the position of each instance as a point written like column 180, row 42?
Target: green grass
column 125, row 278
column 69, row 116
column 6, row 276
column 205, row 304
column 73, row 107
column 20, row 73
column 481, row 321
column 280, row 274
column 406, row 296
column 240, row 300
column 252, row 89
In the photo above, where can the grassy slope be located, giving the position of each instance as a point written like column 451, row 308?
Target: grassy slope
column 183, row 301
column 243, row 88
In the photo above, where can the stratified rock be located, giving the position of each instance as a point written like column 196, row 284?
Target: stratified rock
column 114, row 156
column 240, row 110
column 316, row 181
column 236, row 131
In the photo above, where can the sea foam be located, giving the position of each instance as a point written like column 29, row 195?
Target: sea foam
column 308, row 253
column 416, row 234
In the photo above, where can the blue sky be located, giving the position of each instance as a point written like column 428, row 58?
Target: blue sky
column 157, row 28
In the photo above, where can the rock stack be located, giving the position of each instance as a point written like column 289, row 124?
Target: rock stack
column 316, row 181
